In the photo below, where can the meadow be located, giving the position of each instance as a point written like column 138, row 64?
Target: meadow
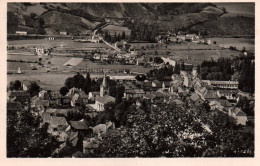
column 239, row 43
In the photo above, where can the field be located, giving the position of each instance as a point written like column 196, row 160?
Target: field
column 54, row 44
column 15, row 65
column 239, row 43
column 54, row 79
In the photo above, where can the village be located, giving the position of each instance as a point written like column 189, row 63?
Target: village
column 69, row 115
column 119, row 87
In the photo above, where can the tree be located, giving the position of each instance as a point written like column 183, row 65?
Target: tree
column 123, row 35
column 140, row 77
column 119, row 94
column 15, row 85
column 63, row 91
column 77, row 81
column 33, row 89
column 23, row 134
column 33, row 15
column 176, row 69
column 87, row 84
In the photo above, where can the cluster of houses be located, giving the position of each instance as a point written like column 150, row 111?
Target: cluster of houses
column 184, row 88
column 181, row 37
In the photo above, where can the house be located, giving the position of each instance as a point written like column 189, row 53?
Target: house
column 187, row 82
column 101, row 129
column 133, row 93
column 223, row 84
column 89, row 145
column 210, row 95
column 80, row 126
column 102, row 100
column 170, row 61
column 196, row 99
column 21, row 33
column 156, row 84
column 63, row 33
column 238, row 115
column 61, row 112
column 43, row 95
column 37, row 102
column 215, row 105
column 226, row 104
column 188, row 67
column 57, row 123
column 229, row 94
column 78, row 97
column 166, row 85
column 26, row 84
column 140, row 61
column 19, row 96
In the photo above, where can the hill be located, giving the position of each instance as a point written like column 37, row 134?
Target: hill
column 228, row 26
column 62, row 21
column 77, row 17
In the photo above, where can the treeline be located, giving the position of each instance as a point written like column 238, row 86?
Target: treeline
column 162, row 73
column 217, row 70
column 247, row 76
column 115, row 38
column 224, row 68
column 142, row 31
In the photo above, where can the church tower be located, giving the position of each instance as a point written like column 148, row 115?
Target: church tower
column 104, row 86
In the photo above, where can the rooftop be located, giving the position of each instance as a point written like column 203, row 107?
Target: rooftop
column 105, row 99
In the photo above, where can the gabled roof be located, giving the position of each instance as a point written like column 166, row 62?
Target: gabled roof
column 90, row 143
column 105, row 99
column 211, row 94
column 237, row 111
column 46, row 117
column 135, row 91
column 194, row 97
column 225, row 102
column 79, row 125
column 58, row 121
column 149, row 96
column 19, row 94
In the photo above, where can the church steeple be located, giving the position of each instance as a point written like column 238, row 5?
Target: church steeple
column 104, row 86
column 104, row 83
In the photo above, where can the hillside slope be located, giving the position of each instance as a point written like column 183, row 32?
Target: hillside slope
column 228, row 26
column 78, row 17
column 62, row 21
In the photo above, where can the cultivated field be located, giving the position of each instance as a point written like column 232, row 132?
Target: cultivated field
column 54, row 44
column 239, row 43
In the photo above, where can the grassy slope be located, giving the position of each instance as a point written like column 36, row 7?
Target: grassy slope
column 228, row 26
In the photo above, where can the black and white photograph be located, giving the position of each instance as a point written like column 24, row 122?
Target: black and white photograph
column 130, row 80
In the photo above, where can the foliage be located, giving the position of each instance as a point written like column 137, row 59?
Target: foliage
column 15, row 85
column 161, row 73
column 140, row 77
column 26, row 137
column 33, row 89
column 63, row 91
column 217, row 70
column 165, row 131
